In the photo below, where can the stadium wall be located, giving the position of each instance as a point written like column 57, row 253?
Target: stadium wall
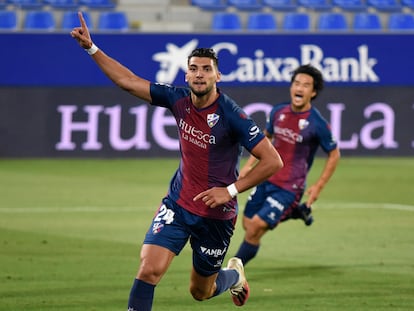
column 55, row 102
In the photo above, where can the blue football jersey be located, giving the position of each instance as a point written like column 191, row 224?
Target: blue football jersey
column 297, row 136
column 211, row 141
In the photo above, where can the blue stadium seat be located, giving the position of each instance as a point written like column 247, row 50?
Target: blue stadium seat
column 261, row 21
column 385, row 5
column 226, row 21
column 113, row 21
column 401, row 22
column 408, row 4
column 63, row 4
column 366, row 21
column 8, row 20
column 350, row 5
column 281, row 5
column 39, row 20
column 294, row 21
column 317, row 5
column 98, row 4
column 210, row 5
column 27, row 4
column 245, row 5
column 70, row 20
column 332, row 21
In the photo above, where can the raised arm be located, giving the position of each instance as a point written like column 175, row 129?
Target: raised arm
column 118, row 73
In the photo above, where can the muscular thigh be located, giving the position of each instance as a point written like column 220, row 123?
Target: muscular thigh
column 210, row 240
column 168, row 228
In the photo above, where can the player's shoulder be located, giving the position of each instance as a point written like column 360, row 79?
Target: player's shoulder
column 316, row 113
column 157, row 87
column 280, row 106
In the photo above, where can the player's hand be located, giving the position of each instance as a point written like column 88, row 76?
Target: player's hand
column 81, row 34
column 313, row 193
column 214, row 197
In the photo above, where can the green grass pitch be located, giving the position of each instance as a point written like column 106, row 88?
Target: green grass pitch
column 71, row 230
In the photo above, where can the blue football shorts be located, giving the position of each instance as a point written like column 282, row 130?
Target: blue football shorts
column 271, row 203
column 173, row 226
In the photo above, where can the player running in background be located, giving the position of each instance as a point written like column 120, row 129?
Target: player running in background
column 296, row 129
column 201, row 203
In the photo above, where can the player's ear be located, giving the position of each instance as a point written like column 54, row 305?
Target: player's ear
column 218, row 76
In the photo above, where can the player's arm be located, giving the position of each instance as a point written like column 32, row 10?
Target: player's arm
column 269, row 163
column 251, row 161
column 327, row 172
column 118, row 73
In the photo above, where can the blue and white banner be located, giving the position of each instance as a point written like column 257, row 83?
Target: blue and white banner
column 247, row 59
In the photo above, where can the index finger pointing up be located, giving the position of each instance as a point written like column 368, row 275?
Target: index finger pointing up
column 82, row 20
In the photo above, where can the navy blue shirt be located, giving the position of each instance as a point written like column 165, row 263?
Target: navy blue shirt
column 297, row 136
column 211, row 141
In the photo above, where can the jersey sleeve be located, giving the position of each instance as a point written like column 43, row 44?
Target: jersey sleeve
column 271, row 117
column 165, row 95
column 326, row 138
column 244, row 128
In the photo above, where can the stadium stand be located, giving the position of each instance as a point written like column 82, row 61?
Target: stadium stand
column 226, row 21
column 39, row 21
column 63, row 4
column 197, row 15
column 97, row 4
column 332, row 21
column 294, row 21
column 385, row 5
column 113, row 21
column 261, row 21
column 246, row 5
column 409, row 4
column 70, row 20
column 281, row 5
column 364, row 21
column 8, row 20
column 210, row 5
column 401, row 22
column 350, row 5
column 27, row 4
column 316, row 5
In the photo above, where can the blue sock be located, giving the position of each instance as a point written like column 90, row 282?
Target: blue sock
column 141, row 296
column 247, row 252
column 225, row 279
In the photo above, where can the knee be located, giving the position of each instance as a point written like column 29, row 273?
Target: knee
column 198, row 294
column 149, row 273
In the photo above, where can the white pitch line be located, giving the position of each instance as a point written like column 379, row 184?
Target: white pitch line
column 75, row 209
column 389, row 206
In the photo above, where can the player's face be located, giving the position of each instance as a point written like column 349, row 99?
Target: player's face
column 301, row 92
column 202, row 75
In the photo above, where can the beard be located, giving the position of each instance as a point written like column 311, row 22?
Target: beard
column 199, row 93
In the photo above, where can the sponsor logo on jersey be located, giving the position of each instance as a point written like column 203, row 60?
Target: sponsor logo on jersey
column 213, row 252
column 253, row 132
column 288, row 135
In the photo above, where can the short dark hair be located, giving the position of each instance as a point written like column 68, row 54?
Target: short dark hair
column 204, row 52
column 318, row 83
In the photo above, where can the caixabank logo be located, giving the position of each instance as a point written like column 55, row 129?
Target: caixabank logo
column 263, row 67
